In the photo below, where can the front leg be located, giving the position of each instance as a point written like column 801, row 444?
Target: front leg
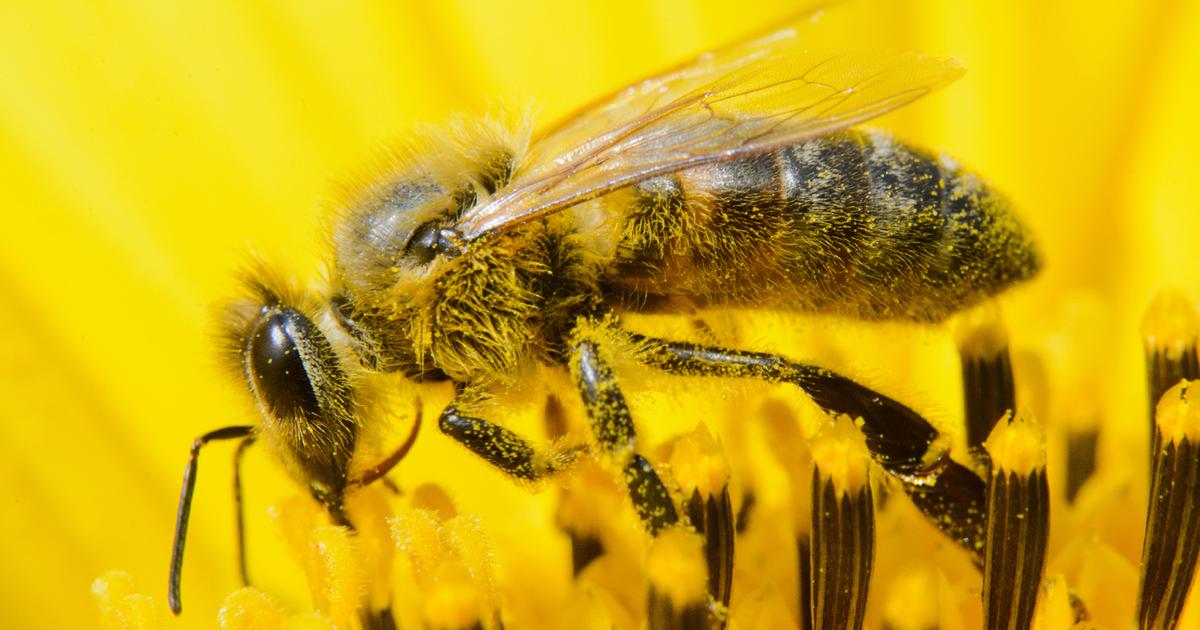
column 500, row 447
column 610, row 420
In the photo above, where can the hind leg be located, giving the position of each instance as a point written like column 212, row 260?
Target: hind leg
column 904, row 443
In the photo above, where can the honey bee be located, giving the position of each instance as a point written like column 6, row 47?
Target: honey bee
column 734, row 180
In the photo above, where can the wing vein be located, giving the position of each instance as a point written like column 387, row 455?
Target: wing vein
column 750, row 99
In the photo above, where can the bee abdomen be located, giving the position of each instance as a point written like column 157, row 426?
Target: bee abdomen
column 854, row 223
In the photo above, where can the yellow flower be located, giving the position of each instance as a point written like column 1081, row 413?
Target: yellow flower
column 148, row 145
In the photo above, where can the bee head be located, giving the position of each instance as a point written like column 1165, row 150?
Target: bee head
column 293, row 374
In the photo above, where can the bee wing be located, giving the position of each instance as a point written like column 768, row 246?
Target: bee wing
column 744, row 100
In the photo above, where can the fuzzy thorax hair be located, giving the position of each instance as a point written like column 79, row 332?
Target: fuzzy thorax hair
column 476, row 316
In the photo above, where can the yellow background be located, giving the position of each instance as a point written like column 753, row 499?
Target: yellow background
column 145, row 146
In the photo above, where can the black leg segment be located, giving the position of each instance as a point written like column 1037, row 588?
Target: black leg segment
column 607, row 411
column 898, row 436
column 901, row 440
column 613, row 426
column 650, row 497
column 500, row 447
column 185, row 506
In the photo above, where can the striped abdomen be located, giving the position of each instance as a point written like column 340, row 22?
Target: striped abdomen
column 854, row 223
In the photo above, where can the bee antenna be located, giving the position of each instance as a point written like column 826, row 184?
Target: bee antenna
column 376, row 472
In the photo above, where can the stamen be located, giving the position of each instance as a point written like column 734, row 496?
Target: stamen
column 1169, row 329
column 1172, row 537
column 585, row 548
column 805, row 576
column 843, row 527
column 1018, row 524
column 703, row 475
column 1078, row 420
column 453, row 600
column 123, row 606
column 586, row 544
column 451, row 564
column 586, row 503
column 913, row 600
column 988, row 391
column 416, row 533
column 248, row 608
column 742, row 520
column 785, row 438
column 678, row 580
column 1060, row 608
column 335, row 573
column 370, row 509
column 1065, row 378
column 1081, row 458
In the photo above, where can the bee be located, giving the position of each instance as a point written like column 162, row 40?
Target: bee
column 736, row 180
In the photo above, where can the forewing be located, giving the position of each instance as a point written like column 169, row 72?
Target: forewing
column 745, row 100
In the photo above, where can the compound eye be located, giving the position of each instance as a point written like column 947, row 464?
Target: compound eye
column 276, row 367
column 429, row 240
column 422, row 246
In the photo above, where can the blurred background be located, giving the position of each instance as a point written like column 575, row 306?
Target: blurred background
column 147, row 146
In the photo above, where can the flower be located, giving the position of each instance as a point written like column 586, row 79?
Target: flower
column 149, row 145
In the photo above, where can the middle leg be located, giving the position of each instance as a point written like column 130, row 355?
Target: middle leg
column 613, row 427
column 608, row 414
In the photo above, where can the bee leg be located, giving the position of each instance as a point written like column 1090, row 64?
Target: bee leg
column 500, row 447
column 369, row 618
column 613, row 426
column 237, row 506
column 903, row 442
column 185, row 507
